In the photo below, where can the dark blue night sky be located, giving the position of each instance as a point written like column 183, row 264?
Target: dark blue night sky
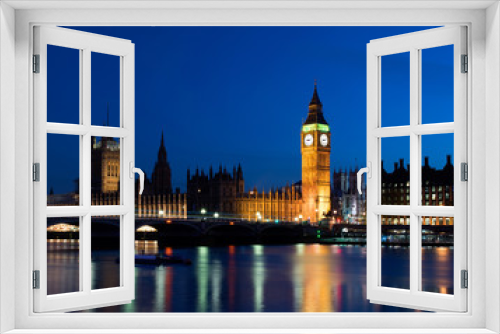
column 229, row 95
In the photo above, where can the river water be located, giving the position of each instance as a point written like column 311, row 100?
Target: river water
column 255, row 278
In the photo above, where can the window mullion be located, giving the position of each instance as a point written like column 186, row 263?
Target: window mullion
column 414, row 169
column 86, row 173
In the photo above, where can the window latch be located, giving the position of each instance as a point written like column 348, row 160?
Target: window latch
column 132, row 171
column 368, row 171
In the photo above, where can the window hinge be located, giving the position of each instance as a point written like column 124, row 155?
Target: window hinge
column 36, row 279
column 464, row 176
column 465, row 279
column 36, row 63
column 465, row 64
column 36, row 172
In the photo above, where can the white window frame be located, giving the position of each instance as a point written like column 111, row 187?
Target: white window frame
column 483, row 20
column 414, row 43
column 85, row 43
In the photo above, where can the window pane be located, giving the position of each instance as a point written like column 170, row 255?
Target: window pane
column 395, row 89
column 437, row 254
column 105, row 89
column 105, row 245
column 63, row 255
column 395, row 171
column 63, row 170
column 437, row 170
column 395, row 231
column 437, row 84
column 63, row 85
column 105, row 171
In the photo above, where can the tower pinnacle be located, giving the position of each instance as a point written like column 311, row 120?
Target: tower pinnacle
column 315, row 115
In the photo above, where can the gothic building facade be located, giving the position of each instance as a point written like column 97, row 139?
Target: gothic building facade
column 222, row 191
column 105, row 171
column 215, row 192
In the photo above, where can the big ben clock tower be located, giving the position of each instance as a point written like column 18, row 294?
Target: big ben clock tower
column 315, row 149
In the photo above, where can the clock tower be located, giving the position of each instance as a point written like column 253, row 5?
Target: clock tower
column 315, row 148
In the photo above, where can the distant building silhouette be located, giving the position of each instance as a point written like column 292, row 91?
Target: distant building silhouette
column 214, row 192
column 161, row 179
column 437, row 190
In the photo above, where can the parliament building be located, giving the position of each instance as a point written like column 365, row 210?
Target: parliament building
column 221, row 193
column 224, row 192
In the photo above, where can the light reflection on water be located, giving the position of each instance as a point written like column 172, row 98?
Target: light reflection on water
column 264, row 278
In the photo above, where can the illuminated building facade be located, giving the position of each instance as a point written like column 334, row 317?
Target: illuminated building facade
column 224, row 193
column 437, row 190
column 315, row 149
column 105, row 165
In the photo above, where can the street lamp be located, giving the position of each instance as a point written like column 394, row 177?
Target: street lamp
column 258, row 215
column 216, row 215
column 203, row 211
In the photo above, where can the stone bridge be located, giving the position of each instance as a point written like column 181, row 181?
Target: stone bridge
column 186, row 228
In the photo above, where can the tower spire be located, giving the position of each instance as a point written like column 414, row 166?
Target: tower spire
column 315, row 98
column 315, row 115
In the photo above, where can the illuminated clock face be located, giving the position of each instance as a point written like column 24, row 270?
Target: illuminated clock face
column 323, row 139
column 308, row 140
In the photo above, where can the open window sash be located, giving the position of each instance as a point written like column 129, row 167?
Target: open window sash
column 85, row 297
column 414, row 43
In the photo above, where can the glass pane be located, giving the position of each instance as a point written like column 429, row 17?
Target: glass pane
column 63, row 85
column 395, row 171
column 437, row 84
column 105, row 245
column 437, row 169
column 437, row 254
column 105, row 89
column 63, row 255
column 395, row 231
column 395, row 90
column 105, row 171
column 63, row 170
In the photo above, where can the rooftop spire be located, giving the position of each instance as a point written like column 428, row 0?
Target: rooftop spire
column 315, row 115
column 315, row 99
column 162, row 151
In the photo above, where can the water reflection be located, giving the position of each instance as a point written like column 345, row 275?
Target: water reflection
column 258, row 278
column 437, row 269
